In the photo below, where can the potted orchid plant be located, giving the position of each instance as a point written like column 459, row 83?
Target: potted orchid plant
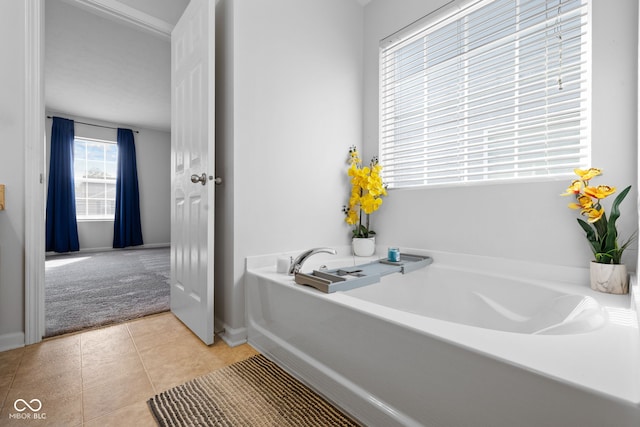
column 367, row 190
column 608, row 274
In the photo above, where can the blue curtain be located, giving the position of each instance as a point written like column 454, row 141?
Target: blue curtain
column 127, row 230
column 61, row 225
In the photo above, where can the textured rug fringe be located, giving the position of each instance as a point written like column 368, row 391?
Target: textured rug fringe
column 253, row 392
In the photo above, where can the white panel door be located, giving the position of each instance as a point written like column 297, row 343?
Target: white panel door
column 192, row 155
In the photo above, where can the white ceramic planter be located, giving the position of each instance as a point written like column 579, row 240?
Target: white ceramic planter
column 609, row 278
column 364, row 246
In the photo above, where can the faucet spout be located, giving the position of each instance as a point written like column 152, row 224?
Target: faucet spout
column 296, row 265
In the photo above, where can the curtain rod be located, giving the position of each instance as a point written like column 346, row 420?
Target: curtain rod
column 91, row 124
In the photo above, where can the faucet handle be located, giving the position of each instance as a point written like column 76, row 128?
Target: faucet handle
column 283, row 264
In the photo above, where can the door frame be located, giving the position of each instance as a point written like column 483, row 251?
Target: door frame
column 34, row 134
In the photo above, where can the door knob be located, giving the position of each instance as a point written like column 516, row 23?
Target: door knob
column 199, row 178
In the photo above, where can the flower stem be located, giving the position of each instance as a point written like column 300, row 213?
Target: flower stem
column 367, row 233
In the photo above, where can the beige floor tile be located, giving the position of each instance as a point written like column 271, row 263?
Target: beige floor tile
column 175, row 351
column 9, row 361
column 97, row 338
column 108, row 345
column 157, row 323
column 176, row 361
column 56, row 355
column 157, row 330
column 50, row 368
column 164, row 379
column 138, row 415
column 231, row 355
column 116, row 394
column 42, row 382
column 3, row 395
column 94, row 375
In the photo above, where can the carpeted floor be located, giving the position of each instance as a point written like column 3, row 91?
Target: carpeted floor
column 253, row 392
column 84, row 290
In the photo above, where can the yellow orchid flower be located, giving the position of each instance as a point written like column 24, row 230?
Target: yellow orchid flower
column 593, row 214
column 584, row 202
column 574, row 189
column 599, row 192
column 354, row 157
column 586, row 175
column 367, row 190
column 352, row 217
column 370, row 204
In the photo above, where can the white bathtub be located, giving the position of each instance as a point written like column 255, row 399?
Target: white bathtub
column 455, row 345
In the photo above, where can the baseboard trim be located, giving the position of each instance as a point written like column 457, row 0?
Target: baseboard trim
column 232, row 336
column 107, row 249
column 11, row 341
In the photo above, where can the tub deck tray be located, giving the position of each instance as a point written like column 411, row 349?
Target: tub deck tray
column 346, row 278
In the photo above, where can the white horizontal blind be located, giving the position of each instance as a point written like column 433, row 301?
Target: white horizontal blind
column 496, row 90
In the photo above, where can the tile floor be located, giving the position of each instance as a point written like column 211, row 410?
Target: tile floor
column 103, row 377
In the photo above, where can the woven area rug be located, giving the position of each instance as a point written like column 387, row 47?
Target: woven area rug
column 253, row 392
column 88, row 289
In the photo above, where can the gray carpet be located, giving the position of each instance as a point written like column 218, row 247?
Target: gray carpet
column 85, row 290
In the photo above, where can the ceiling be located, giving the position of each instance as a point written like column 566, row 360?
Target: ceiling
column 110, row 60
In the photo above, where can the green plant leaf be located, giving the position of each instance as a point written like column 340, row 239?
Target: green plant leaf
column 617, row 259
column 603, row 258
column 591, row 236
column 360, row 231
column 612, row 232
column 601, row 227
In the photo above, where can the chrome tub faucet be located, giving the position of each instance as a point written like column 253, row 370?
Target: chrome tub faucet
column 296, row 264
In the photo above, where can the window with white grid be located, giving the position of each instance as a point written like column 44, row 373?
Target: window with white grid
column 95, row 166
column 486, row 90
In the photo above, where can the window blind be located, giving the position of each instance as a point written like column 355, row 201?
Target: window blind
column 493, row 90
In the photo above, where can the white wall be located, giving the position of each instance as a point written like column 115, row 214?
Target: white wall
column 12, row 25
column 519, row 221
column 153, row 153
column 296, row 108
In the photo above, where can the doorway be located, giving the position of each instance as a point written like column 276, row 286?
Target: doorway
column 34, row 235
